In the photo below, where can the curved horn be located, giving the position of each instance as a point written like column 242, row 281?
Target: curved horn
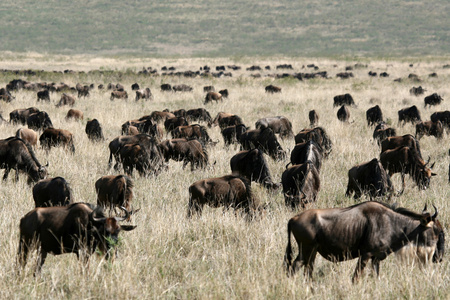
column 432, row 165
column 424, row 210
column 127, row 215
column 435, row 214
column 428, row 161
column 94, row 219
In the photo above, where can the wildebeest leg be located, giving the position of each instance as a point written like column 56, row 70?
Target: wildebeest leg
column 194, row 208
column 22, row 253
column 40, row 261
column 376, row 266
column 362, row 262
column 5, row 176
column 306, row 257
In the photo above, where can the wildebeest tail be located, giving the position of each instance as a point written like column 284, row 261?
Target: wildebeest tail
column 288, row 254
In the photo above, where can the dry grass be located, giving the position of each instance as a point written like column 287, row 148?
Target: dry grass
column 220, row 255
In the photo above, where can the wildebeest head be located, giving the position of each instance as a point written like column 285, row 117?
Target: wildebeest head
column 273, row 146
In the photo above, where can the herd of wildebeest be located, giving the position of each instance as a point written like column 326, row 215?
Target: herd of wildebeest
column 368, row 231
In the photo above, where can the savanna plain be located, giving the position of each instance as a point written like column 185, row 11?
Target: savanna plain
column 220, row 255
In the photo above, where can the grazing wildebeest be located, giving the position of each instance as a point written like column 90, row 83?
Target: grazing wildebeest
column 405, row 160
column 52, row 192
column 145, row 157
column 18, row 155
column 179, row 112
column 39, row 121
column 343, row 114
column 409, row 114
column 313, row 118
column 229, row 191
column 273, row 89
column 316, row 134
column 263, row 139
column 252, row 165
column 166, row 87
column 383, row 131
column 143, row 126
column 21, row 115
column 225, row 119
column 66, row 100
column 74, row 114
column 199, row 114
column 416, row 91
column 232, row 134
column 27, row 135
column 374, row 115
column 370, row 178
column 346, row 99
column 172, row 123
column 187, row 151
column 135, row 87
column 443, row 116
column 114, row 191
column 78, row 228
column 182, row 88
column 193, row 131
column 212, row 96
column 158, row 116
column 301, row 184
column 278, row 124
column 94, row 130
column 43, row 95
column 209, row 88
column 367, row 231
column 224, row 93
column 83, row 90
column 309, row 150
column 145, row 94
column 52, row 137
column 120, row 141
column 435, row 129
column 396, row 141
column 118, row 95
column 433, row 99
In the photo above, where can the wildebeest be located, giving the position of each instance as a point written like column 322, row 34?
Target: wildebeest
column 39, row 121
column 135, row 87
column 94, row 130
column 66, row 100
column 118, row 95
column 273, row 89
column 27, row 135
column 374, row 115
column 368, row 231
column 443, row 116
column 158, row 116
column 120, row 141
column 226, row 119
column 409, row 114
column 52, row 137
column 433, row 99
column 199, row 114
column 405, row 140
column 346, row 99
column 318, row 135
column 263, row 139
column 114, row 191
column 416, row 91
column 429, row 128
column 278, row 124
column 166, row 87
column 301, row 184
column 192, row 131
column 78, row 228
column 43, row 95
column 229, row 191
column 179, row 112
column 83, row 90
column 182, row 88
column 144, row 156
column 212, row 96
column 370, row 178
column 232, row 134
column 252, row 165
column 224, row 93
column 383, row 131
column 52, row 192
column 75, row 114
column 145, row 94
column 143, row 126
column 313, row 118
column 309, row 150
column 187, row 151
column 172, row 123
column 209, row 88
column 17, row 155
column 343, row 114
column 21, row 115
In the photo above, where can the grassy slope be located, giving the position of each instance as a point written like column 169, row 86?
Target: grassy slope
column 226, row 28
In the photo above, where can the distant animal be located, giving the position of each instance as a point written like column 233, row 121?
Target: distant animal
column 20, row 116
column 405, row 140
column 212, row 96
column 192, row 131
column 83, row 90
column 182, row 88
column 224, row 93
column 43, row 95
column 199, row 114
column 66, row 100
column 232, row 134
column 409, row 114
column 443, row 116
column 158, row 116
column 52, row 137
column 116, row 144
column 374, row 115
column 318, row 135
column 166, row 87
column 433, row 99
column 145, row 94
column 279, row 124
column 39, row 121
column 118, row 95
column 346, row 99
column 313, row 118
column 343, row 114
column 187, row 151
column 135, row 87
column 27, row 135
column 263, row 139
column 144, row 156
column 383, row 131
column 417, row 91
column 307, row 151
column 94, row 130
column 429, row 128
column 74, row 114
column 172, row 123
column 114, row 191
column 301, row 184
column 226, row 119
column 52, row 192
column 273, row 89
column 367, row 231
column 209, row 88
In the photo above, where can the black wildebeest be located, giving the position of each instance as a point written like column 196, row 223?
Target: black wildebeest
column 66, row 100
column 443, row 116
column 213, row 96
column 370, row 178
column 318, row 135
column 187, row 151
column 52, row 137
column 135, row 86
column 313, row 118
column 433, row 99
column 416, row 91
column 166, row 87
column 78, row 228
column 367, row 231
column 309, row 150
column 21, row 115
column 52, row 192
column 383, row 131
column 39, row 121
column 224, row 93
column 272, row 89
column 94, row 130
column 252, row 165
column 346, row 99
column 114, row 191
column 18, row 155
column 263, row 139
column 279, row 124
column 374, row 115
column 232, row 134
column 435, row 129
column 301, row 184
column 43, row 95
column 409, row 114
column 343, row 114
column 405, row 140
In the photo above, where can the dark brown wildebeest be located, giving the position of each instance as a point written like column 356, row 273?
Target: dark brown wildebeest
column 433, row 99
column 209, row 88
column 27, row 135
column 343, row 114
column 78, row 228
column 144, row 156
column 182, row 88
column 74, row 114
column 52, row 137
column 39, row 121
column 301, row 184
column 368, row 231
column 278, row 124
column 443, row 116
column 166, row 87
column 316, row 134
column 252, row 165
column 21, row 115
column 118, row 95
column 224, row 93
column 193, row 131
column 309, row 150
column 232, row 134
column 417, row 91
column 272, row 89
column 52, row 192
column 83, row 90
column 346, row 99
column 263, row 139
column 15, row 154
column 144, row 126
column 225, row 119
column 158, row 116
column 199, row 114
column 429, row 128
column 135, row 86
column 114, row 191
column 409, row 114
column 43, row 95
column 405, row 160
column 397, row 141
column 145, row 94
column 370, row 178
column 187, row 151
column 179, row 112
column 94, row 130
column 374, row 115
column 229, row 191
column 313, row 118
column 120, row 141
column 66, row 100
column 212, row 96
column 172, row 123
column 383, row 131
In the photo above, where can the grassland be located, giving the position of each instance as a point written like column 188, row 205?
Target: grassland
column 221, row 256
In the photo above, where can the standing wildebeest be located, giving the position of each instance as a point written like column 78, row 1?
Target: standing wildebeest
column 193, row 131
column 77, row 228
column 313, row 118
column 346, row 99
column 212, row 96
column 374, row 115
column 120, row 141
column 187, row 151
column 52, row 137
column 416, row 91
column 66, row 100
column 135, row 86
column 21, row 115
column 301, row 183
column 263, row 139
column 144, row 126
column 94, row 130
column 158, row 116
column 225, row 119
column 272, row 89
column 229, row 191
column 429, row 128
column 443, row 116
column 343, row 114
column 145, row 94
column 382, row 131
column 316, row 134
column 182, row 88
column 43, row 95
column 52, row 192
column 396, row 141
column 368, row 231
column 118, row 95
column 74, row 114
column 172, row 123
column 199, row 114
column 252, row 165
column 278, row 124
column 370, row 178
column 433, row 99
column 232, row 134
column 83, row 90
column 166, row 87
column 309, row 150
column 409, row 114
column 179, row 112
column 114, row 191
column 209, row 88
column 27, row 135
column 17, row 155
column 39, row 121
column 224, row 93
column 144, row 156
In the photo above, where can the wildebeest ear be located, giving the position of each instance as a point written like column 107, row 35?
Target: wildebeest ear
column 127, row 227
column 424, row 221
column 433, row 174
